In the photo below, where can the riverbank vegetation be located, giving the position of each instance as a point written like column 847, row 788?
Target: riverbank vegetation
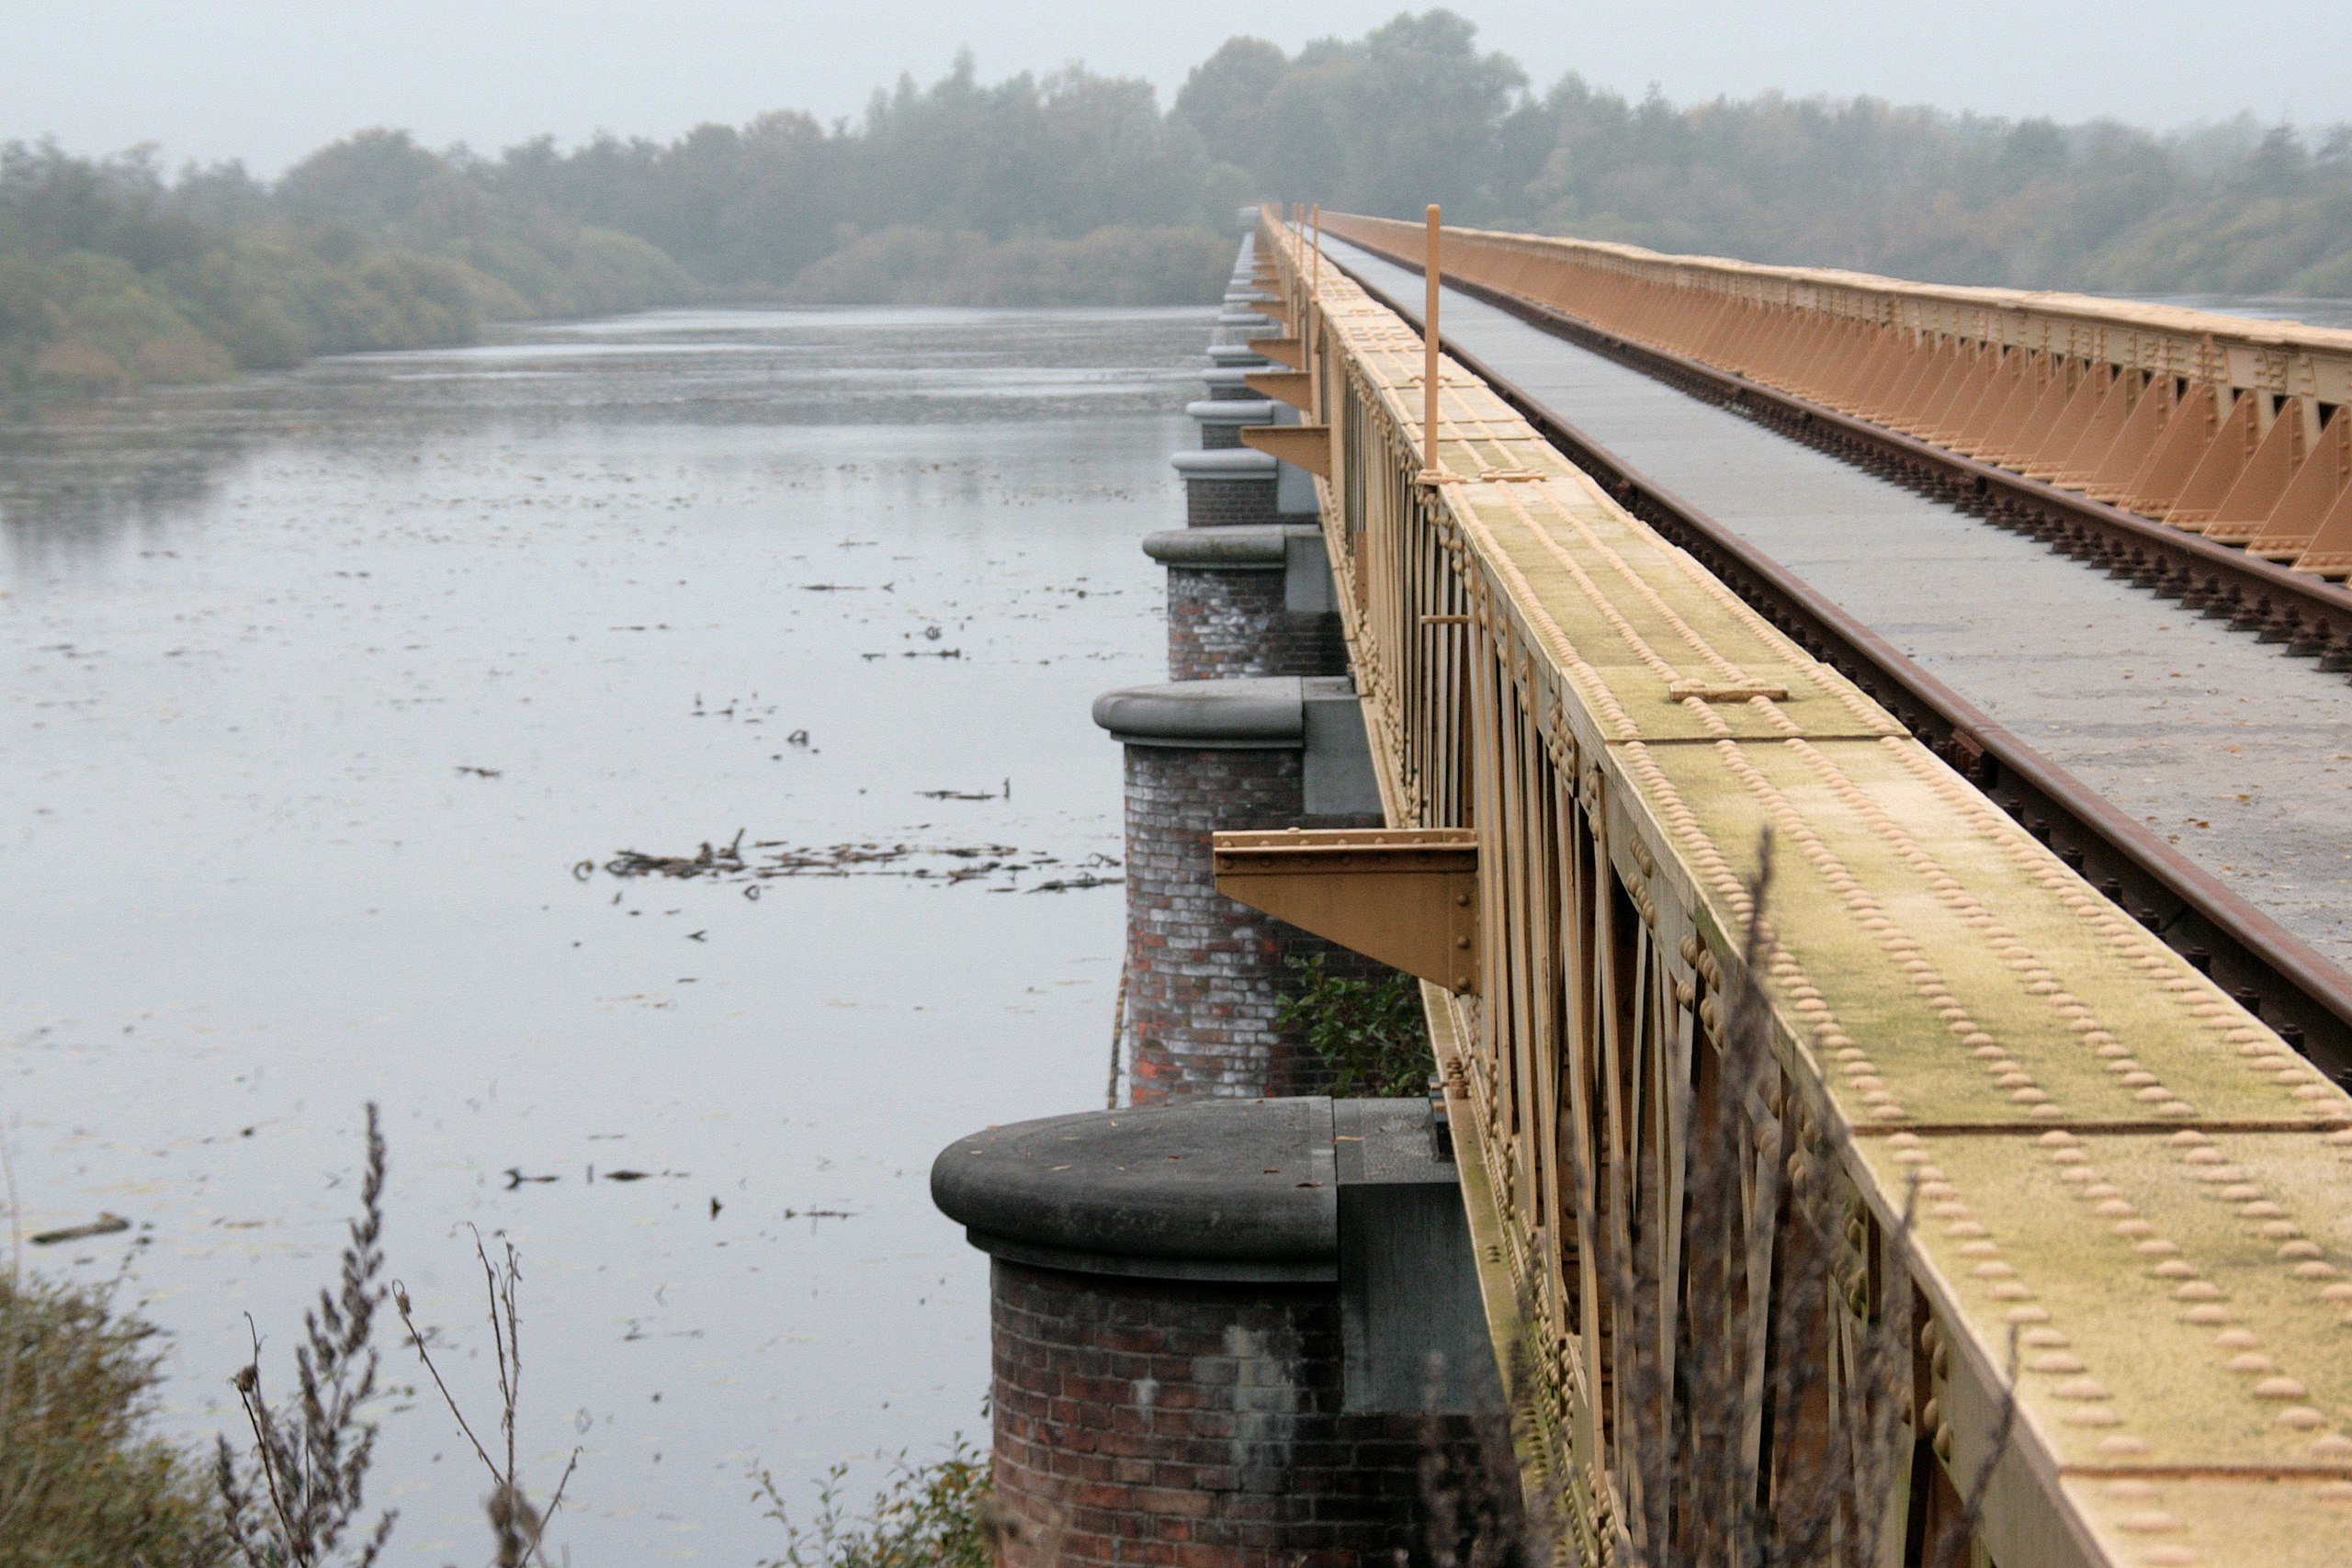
column 84, row 1481
column 1079, row 188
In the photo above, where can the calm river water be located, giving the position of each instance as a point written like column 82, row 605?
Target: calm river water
column 331, row 697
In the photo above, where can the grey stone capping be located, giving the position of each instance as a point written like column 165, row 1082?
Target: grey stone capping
column 1226, row 463
column 1412, row 1325
column 1221, row 549
column 1309, row 587
column 1214, row 1190
column 1310, row 1190
column 1247, row 713
column 1339, row 778
column 1231, row 411
column 1225, row 379
column 1238, row 356
column 1243, row 319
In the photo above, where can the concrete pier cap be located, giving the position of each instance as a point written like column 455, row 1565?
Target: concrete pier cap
column 1319, row 714
column 1221, row 419
column 1297, row 549
column 1229, row 486
column 1235, row 1190
column 1238, row 356
column 1236, row 462
column 1247, row 601
column 1221, row 1333
column 1234, row 411
column 1307, row 1190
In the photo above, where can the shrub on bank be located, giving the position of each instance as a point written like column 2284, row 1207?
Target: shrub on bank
column 1370, row 1034
column 82, row 1484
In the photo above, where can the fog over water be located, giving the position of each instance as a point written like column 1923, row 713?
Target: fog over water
column 329, row 697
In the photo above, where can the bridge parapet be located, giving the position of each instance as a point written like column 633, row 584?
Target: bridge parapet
column 2217, row 425
column 1770, row 1228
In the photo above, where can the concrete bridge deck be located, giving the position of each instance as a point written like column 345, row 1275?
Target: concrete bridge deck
column 2241, row 758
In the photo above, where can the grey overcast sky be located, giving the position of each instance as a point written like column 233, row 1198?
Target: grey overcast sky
column 269, row 80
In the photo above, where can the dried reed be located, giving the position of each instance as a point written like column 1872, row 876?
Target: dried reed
column 290, row 1502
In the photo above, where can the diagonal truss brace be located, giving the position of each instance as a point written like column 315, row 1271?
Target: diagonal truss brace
column 1306, row 446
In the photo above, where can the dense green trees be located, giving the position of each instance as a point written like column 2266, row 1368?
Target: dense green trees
column 110, row 275
column 1409, row 114
column 1050, row 159
column 1414, row 113
column 1076, row 187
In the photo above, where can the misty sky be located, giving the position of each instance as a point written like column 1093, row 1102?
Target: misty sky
column 269, row 80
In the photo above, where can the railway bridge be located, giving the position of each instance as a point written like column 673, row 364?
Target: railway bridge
column 1872, row 1133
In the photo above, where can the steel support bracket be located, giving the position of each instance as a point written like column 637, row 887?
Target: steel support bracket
column 1292, row 387
column 1306, row 446
column 1287, row 351
column 1407, row 897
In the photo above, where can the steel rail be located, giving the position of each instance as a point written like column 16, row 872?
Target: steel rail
column 2270, row 970
column 2309, row 615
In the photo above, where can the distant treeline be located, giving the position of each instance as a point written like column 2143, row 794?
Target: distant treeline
column 1078, row 188
column 111, row 275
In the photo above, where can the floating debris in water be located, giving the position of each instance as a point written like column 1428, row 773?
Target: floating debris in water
column 105, row 1224
column 767, row 858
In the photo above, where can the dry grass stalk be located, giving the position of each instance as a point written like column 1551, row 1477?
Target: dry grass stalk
column 516, row 1524
column 941, row 1515
column 1474, row 1510
column 292, row 1501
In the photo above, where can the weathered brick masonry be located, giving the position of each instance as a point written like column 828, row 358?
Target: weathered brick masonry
column 1221, row 419
column 1183, row 1424
column 1229, row 382
column 1223, row 622
column 1218, row 502
column 1206, row 975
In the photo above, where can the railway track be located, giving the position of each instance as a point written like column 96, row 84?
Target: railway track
column 2266, row 967
column 2307, row 616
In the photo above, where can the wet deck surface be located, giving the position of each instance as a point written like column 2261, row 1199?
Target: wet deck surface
column 2240, row 756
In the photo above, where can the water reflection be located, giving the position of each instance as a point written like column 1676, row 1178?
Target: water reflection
column 320, row 686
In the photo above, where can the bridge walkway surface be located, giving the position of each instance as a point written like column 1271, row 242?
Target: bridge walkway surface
column 2239, row 757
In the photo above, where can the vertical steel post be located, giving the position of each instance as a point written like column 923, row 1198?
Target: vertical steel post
column 1429, row 353
column 1309, row 327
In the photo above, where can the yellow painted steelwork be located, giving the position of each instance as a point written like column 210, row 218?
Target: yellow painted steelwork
column 2217, row 424
column 2050, row 1131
